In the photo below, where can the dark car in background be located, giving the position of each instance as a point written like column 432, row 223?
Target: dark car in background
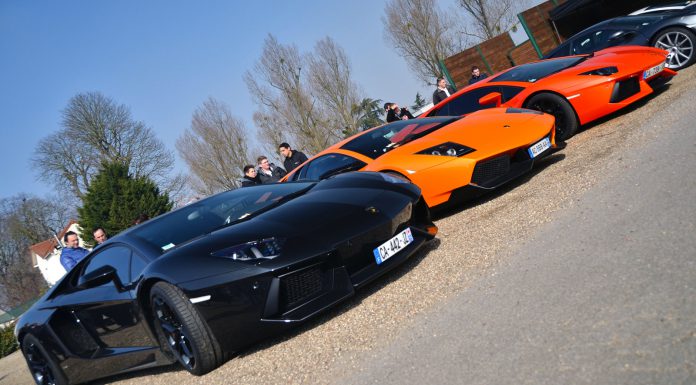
column 672, row 28
column 200, row 283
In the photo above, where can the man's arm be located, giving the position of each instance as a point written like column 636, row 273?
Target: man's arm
column 67, row 261
column 436, row 97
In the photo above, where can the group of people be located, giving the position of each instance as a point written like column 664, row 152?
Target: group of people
column 268, row 172
column 442, row 92
column 72, row 253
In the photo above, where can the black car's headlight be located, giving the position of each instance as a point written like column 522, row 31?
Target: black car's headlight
column 447, row 149
column 392, row 178
column 267, row 248
column 606, row 71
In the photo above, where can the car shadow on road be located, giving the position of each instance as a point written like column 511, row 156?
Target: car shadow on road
column 175, row 367
column 457, row 206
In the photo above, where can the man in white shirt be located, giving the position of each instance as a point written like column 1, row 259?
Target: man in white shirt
column 443, row 91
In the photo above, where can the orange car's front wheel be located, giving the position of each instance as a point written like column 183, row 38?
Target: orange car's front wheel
column 552, row 104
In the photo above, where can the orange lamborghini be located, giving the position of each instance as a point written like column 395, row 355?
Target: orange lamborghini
column 446, row 157
column 574, row 89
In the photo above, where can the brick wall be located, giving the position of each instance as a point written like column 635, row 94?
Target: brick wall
column 500, row 53
column 538, row 22
column 523, row 53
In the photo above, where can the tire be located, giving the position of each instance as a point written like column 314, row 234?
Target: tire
column 182, row 331
column 552, row 104
column 42, row 365
column 681, row 43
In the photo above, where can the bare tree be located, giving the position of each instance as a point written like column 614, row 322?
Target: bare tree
column 25, row 220
column 215, row 148
column 491, row 17
column 423, row 34
column 337, row 93
column 309, row 101
column 286, row 106
column 94, row 129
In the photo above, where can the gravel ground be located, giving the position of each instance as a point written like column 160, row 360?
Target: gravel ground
column 471, row 242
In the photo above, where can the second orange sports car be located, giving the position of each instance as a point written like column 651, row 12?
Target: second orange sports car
column 575, row 89
column 446, row 157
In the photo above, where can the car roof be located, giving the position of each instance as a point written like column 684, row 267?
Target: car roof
column 677, row 6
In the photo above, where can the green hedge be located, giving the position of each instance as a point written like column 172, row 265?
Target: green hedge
column 8, row 343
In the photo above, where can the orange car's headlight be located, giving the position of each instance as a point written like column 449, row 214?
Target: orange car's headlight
column 606, row 71
column 447, row 149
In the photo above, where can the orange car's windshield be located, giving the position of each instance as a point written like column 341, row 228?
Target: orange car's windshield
column 380, row 140
column 531, row 72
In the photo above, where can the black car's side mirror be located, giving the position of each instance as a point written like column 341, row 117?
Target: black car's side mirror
column 99, row 277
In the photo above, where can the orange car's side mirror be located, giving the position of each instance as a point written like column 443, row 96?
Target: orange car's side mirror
column 492, row 98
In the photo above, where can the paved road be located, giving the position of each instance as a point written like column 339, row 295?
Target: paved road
column 581, row 272
column 604, row 294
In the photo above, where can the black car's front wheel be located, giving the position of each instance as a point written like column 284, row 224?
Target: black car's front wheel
column 183, row 331
column 552, row 104
column 680, row 44
column 42, row 366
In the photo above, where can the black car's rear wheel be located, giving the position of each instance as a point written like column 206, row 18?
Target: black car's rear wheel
column 42, row 366
column 680, row 44
column 566, row 121
column 182, row 329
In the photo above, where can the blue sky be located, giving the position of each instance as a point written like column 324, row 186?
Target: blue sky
column 163, row 59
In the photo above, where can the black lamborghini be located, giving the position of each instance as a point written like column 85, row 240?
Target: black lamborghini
column 200, row 283
column 672, row 28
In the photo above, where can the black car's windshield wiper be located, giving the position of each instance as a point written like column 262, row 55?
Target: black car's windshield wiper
column 278, row 202
column 351, row 167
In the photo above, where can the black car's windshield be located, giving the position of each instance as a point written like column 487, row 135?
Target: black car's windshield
column 206, row 215
column 530, row 73
column 382, row 139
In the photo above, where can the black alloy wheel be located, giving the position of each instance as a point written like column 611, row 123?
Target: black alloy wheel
column 43, row 368
column 680, row 44
column 183, row 331
column 552, row 104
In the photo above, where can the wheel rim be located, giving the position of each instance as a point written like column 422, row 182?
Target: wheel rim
column 174, row 333
column 552, row 108
column 38, row 365
column 679, row 47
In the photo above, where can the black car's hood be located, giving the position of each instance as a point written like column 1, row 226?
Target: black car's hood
column 311, row 224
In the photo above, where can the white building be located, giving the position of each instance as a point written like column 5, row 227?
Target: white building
column 46, row 255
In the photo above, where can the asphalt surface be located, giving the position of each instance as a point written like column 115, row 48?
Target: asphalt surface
column 581, row 272
column 605, row 294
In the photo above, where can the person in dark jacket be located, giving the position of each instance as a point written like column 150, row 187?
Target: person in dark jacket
column 394, row 112
column 476, row 75
column 443, row 90
column 251, row 178
column 269, row 172
column 293, row 158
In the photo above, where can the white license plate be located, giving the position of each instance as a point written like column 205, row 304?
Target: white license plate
column 539, row 147
column 393, row 246
column 653, row 71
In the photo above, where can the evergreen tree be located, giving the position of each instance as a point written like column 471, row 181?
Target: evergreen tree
column 418, row 103
column 115, row 199
column 369, row 114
